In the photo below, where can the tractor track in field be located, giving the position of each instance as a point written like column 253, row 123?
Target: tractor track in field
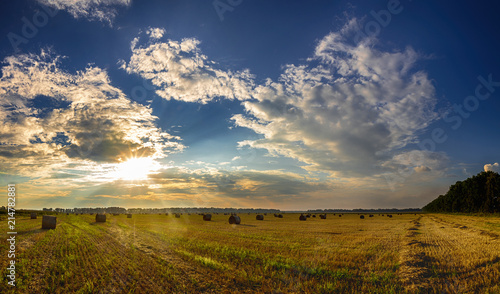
column 414, row 269
column 431, row 237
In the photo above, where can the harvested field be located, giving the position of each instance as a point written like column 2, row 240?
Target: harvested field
column 423, row 253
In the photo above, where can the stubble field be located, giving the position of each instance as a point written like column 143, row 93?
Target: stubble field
column 422, row 253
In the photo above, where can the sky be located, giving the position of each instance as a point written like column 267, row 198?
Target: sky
column 233, row 103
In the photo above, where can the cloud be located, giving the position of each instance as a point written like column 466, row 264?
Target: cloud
column 273, row 186
column 348, row 110
column 101, row 10
column 180, row 71
column 51, row 118
column 155, row 33
column 492, row 167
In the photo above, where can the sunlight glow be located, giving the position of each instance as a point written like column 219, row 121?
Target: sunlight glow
column 135, row 169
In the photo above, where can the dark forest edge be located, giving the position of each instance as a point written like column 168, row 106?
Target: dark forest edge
column 477, row 194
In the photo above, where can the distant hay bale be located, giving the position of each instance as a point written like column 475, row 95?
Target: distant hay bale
column 265, row 213
column 308, row 215
column 322, row 216
column 389, row 215
column 177, row 215
column 100, row 218
column 361, row 216
column 49, row 222
column 259, row 217
column 371, row 215
column 340, row 215
column 302, row 217
column 234, row 219
column 207, row 217
column 129, row 215
column 313, row 215
column 166, row 213
column 33, row 215
column 280, row 215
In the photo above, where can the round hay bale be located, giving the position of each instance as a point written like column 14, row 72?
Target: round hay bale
column 129, row 215
column 389, row 215
column 313, row 215
column 322, row 216
column 340, row 215
column 302, row 217
column 177, row 215
column 49, row 222
column 280, row 215
column 371, row 215
column 234, row 219
column 207, row 217
column 166, row 213
column 361, row 216
column 275, row 215
column 259, row 217
column 33, row 215
column 100, row 218
column 115, row 214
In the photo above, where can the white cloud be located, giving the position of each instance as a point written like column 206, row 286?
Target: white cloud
column 492, row 167
column 347, row 110
column 422, row 168
column 181, row 72
column 101, row 10
column 51, row 118
column 155, row 33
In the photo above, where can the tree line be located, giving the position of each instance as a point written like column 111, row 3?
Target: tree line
column 479, row 193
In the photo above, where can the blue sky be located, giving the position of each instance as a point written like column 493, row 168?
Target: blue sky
column 289, row 105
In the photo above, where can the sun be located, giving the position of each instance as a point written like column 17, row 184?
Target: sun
column 135, row 169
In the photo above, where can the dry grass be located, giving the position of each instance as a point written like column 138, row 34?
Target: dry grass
column 163, row 254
